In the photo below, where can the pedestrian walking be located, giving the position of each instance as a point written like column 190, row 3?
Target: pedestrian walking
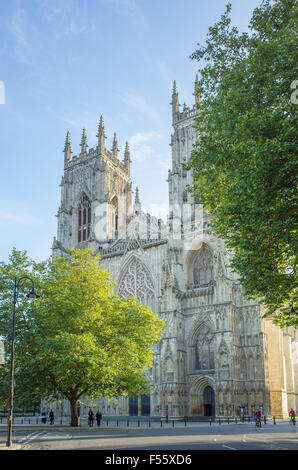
column 51, row 414
column 91, row 417
column 98, row 417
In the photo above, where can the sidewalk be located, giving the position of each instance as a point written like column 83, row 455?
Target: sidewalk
column 13, row 447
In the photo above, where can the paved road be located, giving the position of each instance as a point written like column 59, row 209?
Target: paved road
column 191, row 438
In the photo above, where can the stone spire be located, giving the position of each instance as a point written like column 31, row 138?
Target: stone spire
column 175, row 100
column 67, row 149
column 137, row 204
column 84, row 144
column 197, row 91
column 115, row 149
column 127, row 160
column 101, row 136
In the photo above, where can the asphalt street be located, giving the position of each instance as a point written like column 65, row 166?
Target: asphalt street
column 200, row 436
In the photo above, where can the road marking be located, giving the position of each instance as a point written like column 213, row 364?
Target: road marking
column 57, row 436
column 25, row 440
column 228, row 447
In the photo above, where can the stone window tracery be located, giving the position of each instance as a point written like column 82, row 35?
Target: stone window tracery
column 204, row 350
column 84, row 219
column 203, row 268
column 137, row 282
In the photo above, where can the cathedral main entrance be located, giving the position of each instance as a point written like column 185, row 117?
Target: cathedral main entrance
column 209, row 402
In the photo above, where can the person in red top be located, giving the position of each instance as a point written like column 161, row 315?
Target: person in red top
column 292, row 415
column 258, row 415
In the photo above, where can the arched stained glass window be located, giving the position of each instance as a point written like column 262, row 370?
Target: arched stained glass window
column 203, row 268
column 84, row 219
column 204, row 349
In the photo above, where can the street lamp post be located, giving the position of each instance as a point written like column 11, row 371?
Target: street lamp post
column 32, row 295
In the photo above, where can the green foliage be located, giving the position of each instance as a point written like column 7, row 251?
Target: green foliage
column 79, row 338
column 244, row 163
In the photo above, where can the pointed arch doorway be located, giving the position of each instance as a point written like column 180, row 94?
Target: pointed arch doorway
column 209, row 401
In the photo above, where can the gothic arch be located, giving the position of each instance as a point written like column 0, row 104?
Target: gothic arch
column 201, row 347
column 199, row 384
column 83, row 193
column 196, row 394
column 135, row 280
column 83, row 215
column 200, row 265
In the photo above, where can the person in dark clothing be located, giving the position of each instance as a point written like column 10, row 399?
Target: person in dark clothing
column 51, row 417
column 98, row 417
column 91, row 417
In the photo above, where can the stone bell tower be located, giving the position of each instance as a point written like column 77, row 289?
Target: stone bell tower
column 96, row 195
column 185, row 212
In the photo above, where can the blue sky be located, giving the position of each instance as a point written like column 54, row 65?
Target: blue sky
column 64, row 63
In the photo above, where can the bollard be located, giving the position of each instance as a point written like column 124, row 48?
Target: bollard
column 117, row 423
column 274, row 420
column 149, row 423
column 265, row 421
column 173, row 423
column 228, row 420
column 138, row 423
column 161, row 423
column 185, row 422
column 127, row 423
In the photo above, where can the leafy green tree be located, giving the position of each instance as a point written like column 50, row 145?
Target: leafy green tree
column 244, row 162
column 80, row 338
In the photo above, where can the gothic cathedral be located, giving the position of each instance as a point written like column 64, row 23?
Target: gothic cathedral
column 218, row 356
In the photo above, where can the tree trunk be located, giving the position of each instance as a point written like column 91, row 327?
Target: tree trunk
column 74, row 421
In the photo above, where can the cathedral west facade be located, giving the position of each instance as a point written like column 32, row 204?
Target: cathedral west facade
column 218, row 356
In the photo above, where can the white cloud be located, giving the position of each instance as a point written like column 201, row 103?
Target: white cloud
column 17, row 28
column 18, row 217
column 142, row 145
column 160, row 211
column 68, row 17
column 139, row 103
column 128, row 8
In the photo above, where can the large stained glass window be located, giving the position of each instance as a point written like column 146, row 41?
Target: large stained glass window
column 137, row 282
column 204, row 350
